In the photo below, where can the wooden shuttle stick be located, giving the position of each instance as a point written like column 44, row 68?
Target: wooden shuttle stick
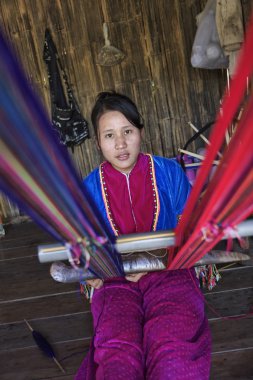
column 140, row 253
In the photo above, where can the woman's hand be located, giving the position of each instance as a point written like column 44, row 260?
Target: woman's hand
column 97, row 283
column 135, row 277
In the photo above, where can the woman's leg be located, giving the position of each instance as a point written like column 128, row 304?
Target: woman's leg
column 176, row 339
column 118, row 324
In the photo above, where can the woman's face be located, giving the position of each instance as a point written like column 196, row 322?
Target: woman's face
column 119, row 140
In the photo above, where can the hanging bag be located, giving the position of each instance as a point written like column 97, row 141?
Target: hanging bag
column 207, row 52
column 67, row 119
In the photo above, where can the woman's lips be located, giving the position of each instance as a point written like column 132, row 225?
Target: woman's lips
column 123, row 157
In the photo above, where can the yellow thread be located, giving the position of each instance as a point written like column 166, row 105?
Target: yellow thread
column 105, row 200
column 156, row 193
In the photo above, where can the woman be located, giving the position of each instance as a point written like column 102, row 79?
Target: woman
column 147, row 326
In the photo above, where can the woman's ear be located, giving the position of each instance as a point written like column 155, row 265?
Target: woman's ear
column 142, row 134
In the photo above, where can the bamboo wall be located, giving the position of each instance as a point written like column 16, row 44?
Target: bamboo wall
column 155, row 35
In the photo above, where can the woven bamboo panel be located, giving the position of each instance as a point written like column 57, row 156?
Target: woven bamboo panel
column 156, row 37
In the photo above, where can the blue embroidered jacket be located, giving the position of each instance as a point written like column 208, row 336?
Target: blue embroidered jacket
column 173, row 190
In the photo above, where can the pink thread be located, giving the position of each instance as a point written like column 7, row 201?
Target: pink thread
column 101, row 239
column 210, row 231
column 77, row 251
column 231, row 232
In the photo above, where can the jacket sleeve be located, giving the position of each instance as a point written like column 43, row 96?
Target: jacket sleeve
column 181, row 189
column 177, row 185
column 92, row 188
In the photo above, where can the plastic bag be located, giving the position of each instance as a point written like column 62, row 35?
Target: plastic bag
column 207, row 52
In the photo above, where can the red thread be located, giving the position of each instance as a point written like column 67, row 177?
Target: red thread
column 229, row 197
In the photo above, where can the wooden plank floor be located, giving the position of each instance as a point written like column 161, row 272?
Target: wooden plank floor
column 63, row 316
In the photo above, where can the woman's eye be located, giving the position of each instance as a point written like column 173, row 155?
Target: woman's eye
column 108, row 135
column 128, row 131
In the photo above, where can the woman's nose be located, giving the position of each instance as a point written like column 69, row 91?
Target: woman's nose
column 120, row 142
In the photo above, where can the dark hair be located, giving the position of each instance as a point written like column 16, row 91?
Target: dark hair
column 114, row 101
